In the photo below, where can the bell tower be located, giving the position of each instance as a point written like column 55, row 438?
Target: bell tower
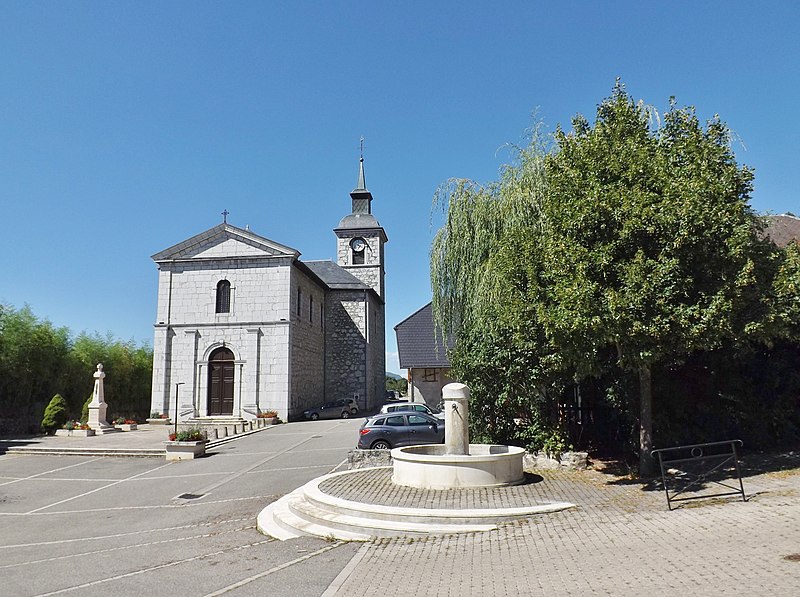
column 360, row 238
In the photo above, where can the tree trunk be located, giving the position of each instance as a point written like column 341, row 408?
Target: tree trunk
column 646, row 468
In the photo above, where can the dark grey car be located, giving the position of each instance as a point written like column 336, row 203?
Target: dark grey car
column 329, row 410
column 394, row 430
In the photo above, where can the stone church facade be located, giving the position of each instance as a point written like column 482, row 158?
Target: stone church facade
column 244, row 326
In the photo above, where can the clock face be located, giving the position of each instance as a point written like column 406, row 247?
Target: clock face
column 358, row 244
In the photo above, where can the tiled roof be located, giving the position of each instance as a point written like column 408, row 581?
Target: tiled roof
column 334, row 276
column 783, row 229
column 418, row 343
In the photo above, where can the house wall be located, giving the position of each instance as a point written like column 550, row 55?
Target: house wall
column 429, row 392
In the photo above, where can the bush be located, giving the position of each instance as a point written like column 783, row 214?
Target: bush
column 55, row 415
column 85, row 409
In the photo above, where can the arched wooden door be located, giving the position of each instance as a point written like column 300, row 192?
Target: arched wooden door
column 220, row 382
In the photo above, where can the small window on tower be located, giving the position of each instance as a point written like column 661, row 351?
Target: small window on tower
column 358, row 245
column 310, row 308
column 299, row 301
column 223, row 297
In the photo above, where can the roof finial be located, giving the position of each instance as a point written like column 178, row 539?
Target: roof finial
column 362, row 183
column 225, row 215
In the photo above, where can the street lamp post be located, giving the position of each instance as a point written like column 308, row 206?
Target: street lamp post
column 175, row 414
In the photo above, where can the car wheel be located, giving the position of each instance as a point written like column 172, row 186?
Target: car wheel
column 314, row 416
column 353, row 411
column 381, row 445
column 345, row 414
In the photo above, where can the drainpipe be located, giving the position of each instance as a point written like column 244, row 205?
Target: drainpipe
column 366, row 349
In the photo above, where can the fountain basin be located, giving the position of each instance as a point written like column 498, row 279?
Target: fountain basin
column 429, row 467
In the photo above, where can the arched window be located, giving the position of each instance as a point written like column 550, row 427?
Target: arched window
column 223, row 296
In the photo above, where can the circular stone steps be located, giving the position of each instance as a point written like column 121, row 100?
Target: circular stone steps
column 309, row 510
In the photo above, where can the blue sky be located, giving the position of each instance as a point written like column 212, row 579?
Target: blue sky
column 127, row 127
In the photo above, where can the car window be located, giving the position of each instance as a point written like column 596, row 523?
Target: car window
column 379, row 422
column 420, row 408
column 418, row 420
column 397, row 421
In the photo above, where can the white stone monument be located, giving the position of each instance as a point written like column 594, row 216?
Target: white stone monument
column 98, row 406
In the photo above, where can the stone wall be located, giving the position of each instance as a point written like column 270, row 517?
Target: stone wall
column 371, row 272
column 307, row 345
column 346, row 364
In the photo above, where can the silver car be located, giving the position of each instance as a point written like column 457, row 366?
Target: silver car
column 404, row 428
column 413, row 406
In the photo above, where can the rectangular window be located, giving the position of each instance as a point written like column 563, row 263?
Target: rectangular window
column 429, row 375
column 299, row 301
column 310, row 309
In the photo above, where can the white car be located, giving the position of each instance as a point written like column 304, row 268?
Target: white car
column 416, row 406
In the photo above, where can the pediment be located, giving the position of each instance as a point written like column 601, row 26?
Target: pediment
column 225, row 242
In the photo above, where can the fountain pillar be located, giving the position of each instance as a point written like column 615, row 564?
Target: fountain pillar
column 456, row 419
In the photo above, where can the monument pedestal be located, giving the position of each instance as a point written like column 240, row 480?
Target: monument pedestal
column 97, row 407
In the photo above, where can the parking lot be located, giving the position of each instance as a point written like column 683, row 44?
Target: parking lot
column 133, row 526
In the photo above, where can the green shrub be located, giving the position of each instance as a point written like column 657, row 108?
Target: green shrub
column 55, row 415
column 85, row 409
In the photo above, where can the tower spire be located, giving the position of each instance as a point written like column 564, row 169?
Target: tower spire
column 362, row 183
column 361, row 197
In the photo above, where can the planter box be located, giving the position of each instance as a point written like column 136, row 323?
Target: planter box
column 268, row 421
column 159, row 422
column 75, row 432
column 185, row 450
column 126, row 427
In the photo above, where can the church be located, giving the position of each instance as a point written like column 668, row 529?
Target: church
column 244, row 326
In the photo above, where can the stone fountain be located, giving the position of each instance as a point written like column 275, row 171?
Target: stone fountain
column 457, row 463
column 405, row 499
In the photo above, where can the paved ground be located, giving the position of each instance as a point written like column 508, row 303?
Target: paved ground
column 91, row 526
column 621, row 540
column 94, row 526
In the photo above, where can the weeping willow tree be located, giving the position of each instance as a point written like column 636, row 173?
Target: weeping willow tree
column 481, row 297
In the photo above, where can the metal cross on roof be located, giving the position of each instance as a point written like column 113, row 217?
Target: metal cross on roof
column 225, row 215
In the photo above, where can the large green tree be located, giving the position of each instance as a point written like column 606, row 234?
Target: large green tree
column 625, row 247
column 652, row 247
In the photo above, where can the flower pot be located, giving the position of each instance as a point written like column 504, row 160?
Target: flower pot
column 126, row 426
column 75, row 432
column 159, row 422
column 185, row 450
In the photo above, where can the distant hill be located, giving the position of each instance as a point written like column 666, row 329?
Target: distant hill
column 391, row 375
